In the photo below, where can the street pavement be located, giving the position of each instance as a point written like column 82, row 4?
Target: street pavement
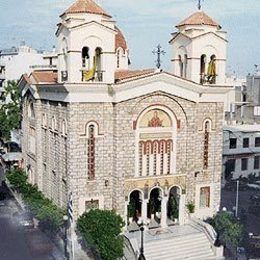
column 18, row 242
column 228, row 200
column 250, row 221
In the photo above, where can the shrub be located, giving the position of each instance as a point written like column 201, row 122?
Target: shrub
column 191, row 207
column 49, row 215
column 17, row 178
column 230, row 231
column 101, row 229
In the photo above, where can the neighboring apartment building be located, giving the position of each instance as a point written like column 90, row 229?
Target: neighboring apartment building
column 14, row 62
column 241, row 153
column 246, row 108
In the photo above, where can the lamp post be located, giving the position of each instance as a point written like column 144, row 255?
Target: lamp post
column 236, row 212
column 141, row 224
column 65, row 219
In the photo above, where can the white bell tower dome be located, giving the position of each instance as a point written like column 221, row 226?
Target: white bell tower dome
column 88, row 45
column 199, row 50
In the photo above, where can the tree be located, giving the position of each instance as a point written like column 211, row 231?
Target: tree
column 230, row 231
column 10, row 110
column 102, row 229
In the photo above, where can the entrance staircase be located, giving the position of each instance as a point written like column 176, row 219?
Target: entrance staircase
column 187, row 242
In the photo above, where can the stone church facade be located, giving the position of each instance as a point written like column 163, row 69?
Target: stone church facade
column 136, row 141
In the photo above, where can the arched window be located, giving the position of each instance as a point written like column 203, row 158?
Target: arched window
column 118, row 59
column 155, row 152
column 206, row 144
column 98, row 53
column 181, row 66
column 64, row 128
column 185, row 65
column 44, row 120
column 202, row 68
column 91, row 152
column 85, row 57
column 212, row 73
column 31, row 112
column 53, row 123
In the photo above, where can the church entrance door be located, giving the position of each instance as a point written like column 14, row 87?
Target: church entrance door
column 135, row 205
column 154, row 206
column 173, row 206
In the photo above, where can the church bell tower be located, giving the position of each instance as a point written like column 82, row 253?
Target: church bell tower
column 90, row 45
column 199, row 50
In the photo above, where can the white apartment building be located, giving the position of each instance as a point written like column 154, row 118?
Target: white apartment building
column 15, row 62
column 241, row 151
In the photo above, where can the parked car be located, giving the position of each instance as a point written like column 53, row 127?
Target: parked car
column 26, row 219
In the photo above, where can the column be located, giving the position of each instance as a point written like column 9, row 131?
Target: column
column 164, row 212
column 144, row 210
column 126, row 217
column 182, row 209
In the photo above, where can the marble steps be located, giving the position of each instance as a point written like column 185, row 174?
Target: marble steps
column 193, row 246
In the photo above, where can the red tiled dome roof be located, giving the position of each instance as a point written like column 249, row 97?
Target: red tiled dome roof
column 120, row 40
column 86, row 6
column 199, row 18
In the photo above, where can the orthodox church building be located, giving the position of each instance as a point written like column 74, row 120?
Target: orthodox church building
column 143, row 142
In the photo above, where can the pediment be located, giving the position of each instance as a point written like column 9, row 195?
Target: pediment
column 95, row 24
column 170, row 84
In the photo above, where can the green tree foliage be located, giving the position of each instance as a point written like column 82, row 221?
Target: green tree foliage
column 10, row 110
column 101, row 229
column 49, row 215
column 173, row 208
column 230, row 231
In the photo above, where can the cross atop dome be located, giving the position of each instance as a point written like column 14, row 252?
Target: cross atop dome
column 199, row 4
column 86, row 6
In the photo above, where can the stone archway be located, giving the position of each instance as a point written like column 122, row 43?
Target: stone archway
column 134, row 208
column 173, row 206
column 154, row 207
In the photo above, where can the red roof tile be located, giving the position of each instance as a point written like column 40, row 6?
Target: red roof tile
column 198, row 18
column 86, row 6
column 127, row 74
column 44, row 76
column 27, row 79
column 120, row 40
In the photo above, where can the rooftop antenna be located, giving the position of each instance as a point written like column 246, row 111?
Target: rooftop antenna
column 158, row 51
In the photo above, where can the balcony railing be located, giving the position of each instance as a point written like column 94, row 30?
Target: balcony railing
column 47, row 67
column 205, row 79
column 96, row 77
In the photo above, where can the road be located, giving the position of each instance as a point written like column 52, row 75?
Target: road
column 19, row 242
column 251, row 222
column 228, row 200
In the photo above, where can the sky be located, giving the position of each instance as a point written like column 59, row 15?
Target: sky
column 145, row 23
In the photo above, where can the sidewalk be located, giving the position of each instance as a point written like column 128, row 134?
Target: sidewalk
column 58, row 245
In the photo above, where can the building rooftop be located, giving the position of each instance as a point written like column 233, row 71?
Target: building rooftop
column 120, row 40
column 43, row 77
column 199, row 18
column 86, row 6
column 243, row 128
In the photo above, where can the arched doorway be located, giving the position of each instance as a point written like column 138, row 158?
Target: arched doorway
column 134, row 208
column 155, row 205
column 173, row 206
